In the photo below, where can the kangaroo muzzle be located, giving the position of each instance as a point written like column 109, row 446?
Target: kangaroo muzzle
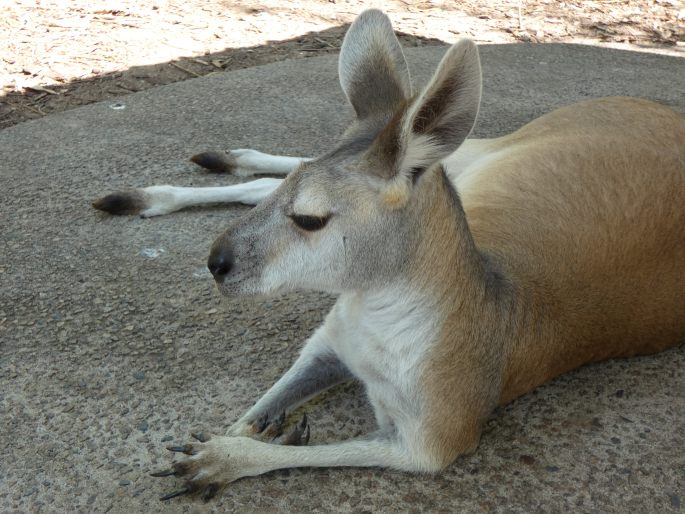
column 221, row 260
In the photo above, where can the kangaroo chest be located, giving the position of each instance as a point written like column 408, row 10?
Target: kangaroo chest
column 383, row 340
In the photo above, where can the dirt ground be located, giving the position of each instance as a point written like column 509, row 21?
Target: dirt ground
column 59, row 54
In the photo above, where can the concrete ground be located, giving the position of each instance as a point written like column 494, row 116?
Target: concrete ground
column 114, row 341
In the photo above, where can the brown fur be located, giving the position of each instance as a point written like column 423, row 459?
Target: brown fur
column 598, row 250
column 462, row 373
column 566, row 247
column 579, row 229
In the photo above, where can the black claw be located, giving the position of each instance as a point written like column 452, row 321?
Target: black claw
column 304, row 423
column 299, row 436
column 200, row 436
column 210, row 492
column 186, row 448
column 164, row 473
column 180, row 492
column 262, row 422
column 275, row 428
column 181, row 468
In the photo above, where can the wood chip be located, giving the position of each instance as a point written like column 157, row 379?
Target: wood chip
column 34, row 109
column 42, row 90
column 184, row 69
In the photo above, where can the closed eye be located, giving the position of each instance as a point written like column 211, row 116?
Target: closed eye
column 310, row 223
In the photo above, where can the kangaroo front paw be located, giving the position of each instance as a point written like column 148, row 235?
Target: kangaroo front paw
column 268, row 428
column 213, row 462
column 298, row 436
column 264, row 426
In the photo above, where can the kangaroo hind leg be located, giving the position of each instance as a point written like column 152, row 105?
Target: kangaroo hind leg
column 158, row 200
column 245, row 162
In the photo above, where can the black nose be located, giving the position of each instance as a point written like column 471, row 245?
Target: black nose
column 220, row 262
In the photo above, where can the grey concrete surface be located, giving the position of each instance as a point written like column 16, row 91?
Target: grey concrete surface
column 114, row 341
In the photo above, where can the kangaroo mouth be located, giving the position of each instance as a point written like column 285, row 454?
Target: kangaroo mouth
column 239, row 282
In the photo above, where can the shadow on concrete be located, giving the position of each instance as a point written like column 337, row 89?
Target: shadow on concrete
column 35, row 103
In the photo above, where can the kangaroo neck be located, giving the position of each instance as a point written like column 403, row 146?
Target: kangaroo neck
column 446, row 260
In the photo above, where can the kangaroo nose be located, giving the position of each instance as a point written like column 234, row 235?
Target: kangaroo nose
column 220, row 262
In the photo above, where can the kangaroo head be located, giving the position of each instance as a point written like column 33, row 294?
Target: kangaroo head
column 352, row 218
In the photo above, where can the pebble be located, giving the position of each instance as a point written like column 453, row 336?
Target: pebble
column 139, row 375
column 527, row 459
column 124, row 482
column 152, row 253
column 143, row 426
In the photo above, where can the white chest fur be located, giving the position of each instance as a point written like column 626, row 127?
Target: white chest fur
column 383, row 338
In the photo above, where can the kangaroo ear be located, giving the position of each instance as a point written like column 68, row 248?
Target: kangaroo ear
column 372, row 68
column 442, row 116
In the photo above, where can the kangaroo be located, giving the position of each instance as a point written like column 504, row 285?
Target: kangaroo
column 468, row 272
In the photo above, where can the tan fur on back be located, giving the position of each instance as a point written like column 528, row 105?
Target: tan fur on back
column 584, row 210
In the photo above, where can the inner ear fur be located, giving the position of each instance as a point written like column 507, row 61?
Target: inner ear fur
column 425, row 130
column 372, row 68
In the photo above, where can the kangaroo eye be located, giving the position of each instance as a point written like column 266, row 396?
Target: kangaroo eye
column 309, row 223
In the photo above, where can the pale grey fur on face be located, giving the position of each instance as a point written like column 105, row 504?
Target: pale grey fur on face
column 371, row 227
column 354, row 250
